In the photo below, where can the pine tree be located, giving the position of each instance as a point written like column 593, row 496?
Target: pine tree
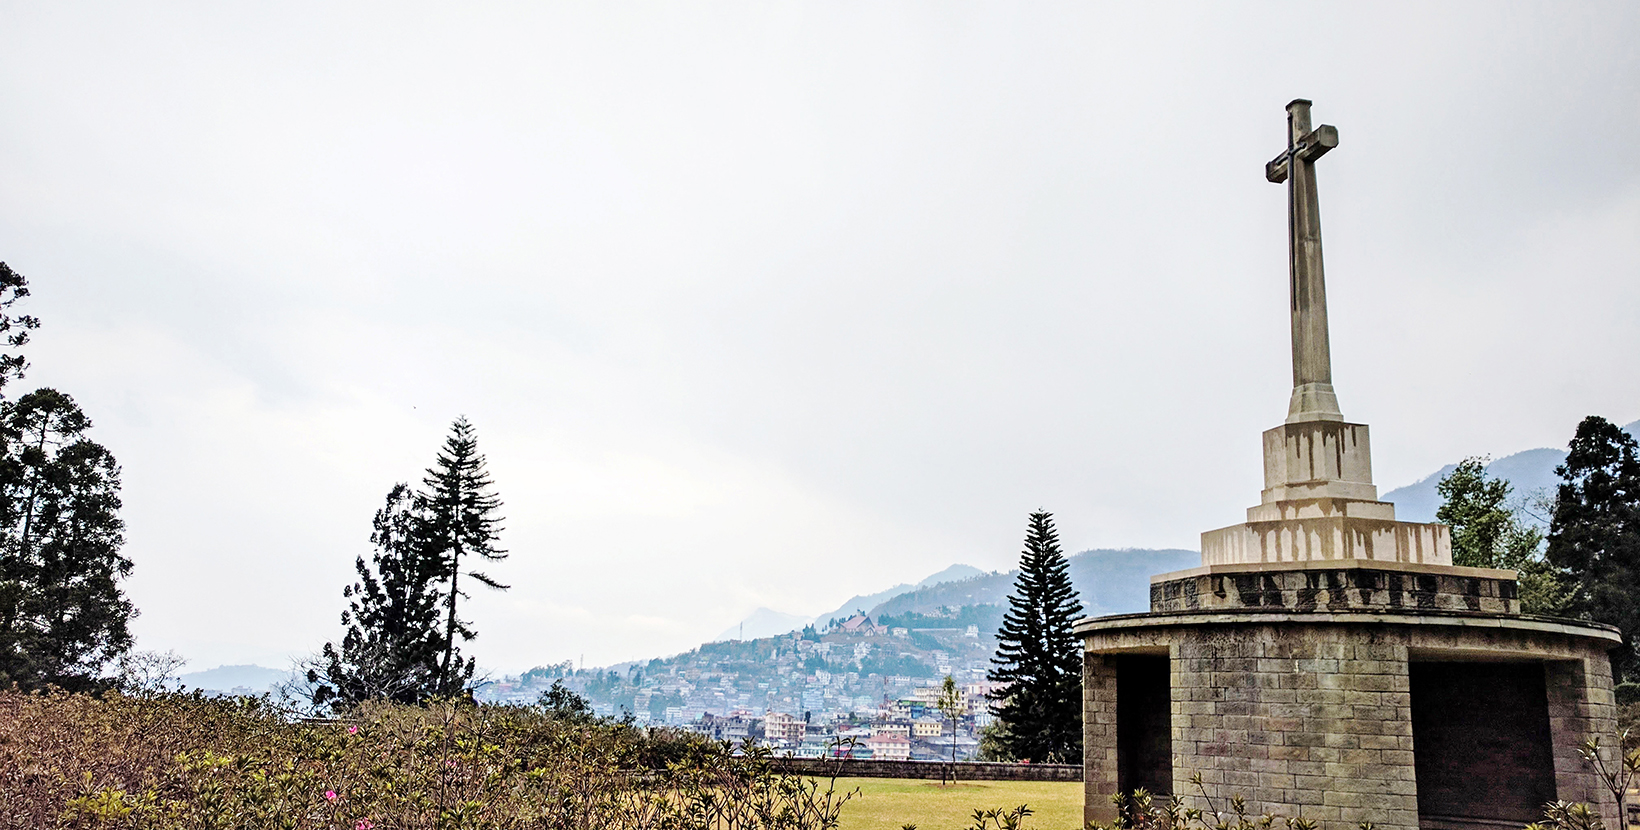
column 459, row 522
column 63, row 617
column 1038, row 659
column 1594, row 538
column 393, row 642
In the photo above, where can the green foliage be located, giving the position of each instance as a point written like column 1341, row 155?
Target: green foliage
column 459, row 521
column 950, row 705
column 402, row 622
column 1474, row 505
column 1594, row 538
column 994, row 741
column 63, row 617
column 1617, row 769
column 1488, row 533
column 561, row 703
column 1038, row 659
column 999, row 819
column 186, row 762
column 392, row 645
column 1562, row 815
column 14, row 329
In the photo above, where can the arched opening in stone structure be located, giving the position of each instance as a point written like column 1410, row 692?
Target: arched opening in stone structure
column 1144, row 724
column 1482, row 748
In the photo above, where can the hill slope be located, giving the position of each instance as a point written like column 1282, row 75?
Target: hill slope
column 766, row 622
column 1109, row 582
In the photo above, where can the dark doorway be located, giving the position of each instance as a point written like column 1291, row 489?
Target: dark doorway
column 1480, row 738
column 1144, row 724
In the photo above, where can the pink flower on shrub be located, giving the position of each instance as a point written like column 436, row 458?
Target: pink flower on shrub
column 353, row 730
column 364, row 824
column 330, row 795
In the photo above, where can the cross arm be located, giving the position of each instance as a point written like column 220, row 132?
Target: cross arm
column 1312, row 146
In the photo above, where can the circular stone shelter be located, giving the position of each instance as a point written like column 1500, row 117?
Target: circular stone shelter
column 1328, row 660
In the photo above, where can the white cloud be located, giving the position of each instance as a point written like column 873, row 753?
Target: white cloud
column 770, row 306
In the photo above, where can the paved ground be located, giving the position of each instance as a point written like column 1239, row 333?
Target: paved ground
column 890, row 804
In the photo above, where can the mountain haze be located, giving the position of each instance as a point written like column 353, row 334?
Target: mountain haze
column 766, row 622
column 257, row 679
column 1529, row 472
column 1108, row 582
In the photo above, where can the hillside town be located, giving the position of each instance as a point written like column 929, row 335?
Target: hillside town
column 861, row 687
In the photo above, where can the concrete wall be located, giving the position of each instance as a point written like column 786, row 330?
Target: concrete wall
column 1310, row 714
column 966, row 770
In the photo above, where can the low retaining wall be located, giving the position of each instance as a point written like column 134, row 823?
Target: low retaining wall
column 966, row 770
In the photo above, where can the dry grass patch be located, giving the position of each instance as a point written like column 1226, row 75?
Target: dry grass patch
column 891, row 803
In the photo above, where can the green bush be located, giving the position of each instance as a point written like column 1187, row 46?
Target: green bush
column 169, row 762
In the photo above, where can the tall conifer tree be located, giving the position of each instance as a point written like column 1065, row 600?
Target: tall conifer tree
column 63, row 617
column 394, row 622
column 1038, row 658
column 62, row 614
column 459, row 523
column 1594, row 538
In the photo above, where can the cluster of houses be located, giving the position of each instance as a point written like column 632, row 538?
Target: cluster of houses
column 855, row 687
column 911, row 728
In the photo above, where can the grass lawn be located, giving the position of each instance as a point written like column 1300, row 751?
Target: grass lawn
column 891, row 803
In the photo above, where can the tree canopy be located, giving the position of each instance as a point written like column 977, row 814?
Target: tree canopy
column 63, row 617
column 458, row 522
column 1594, row 538
column 402, row 622
column 392, row 645
column 1489, row 531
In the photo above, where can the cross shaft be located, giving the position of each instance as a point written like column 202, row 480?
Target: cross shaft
column 1313, row 398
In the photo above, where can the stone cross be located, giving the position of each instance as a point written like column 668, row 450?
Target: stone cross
column 1313, row 398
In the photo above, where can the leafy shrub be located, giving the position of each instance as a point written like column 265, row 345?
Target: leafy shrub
column 168, row 762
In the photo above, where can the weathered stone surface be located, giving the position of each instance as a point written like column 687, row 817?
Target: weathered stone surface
column 1311, row 712
column 1318, row 459
column 1324, row 586
column 1319, row 504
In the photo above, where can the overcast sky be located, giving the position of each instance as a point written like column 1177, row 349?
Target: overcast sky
column 769, row 304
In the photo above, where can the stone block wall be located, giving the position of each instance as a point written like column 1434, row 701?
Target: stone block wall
column 1582, row 706
column 1310, row 714
column 1099, row 761
column 1310, row 722
column 929, row 770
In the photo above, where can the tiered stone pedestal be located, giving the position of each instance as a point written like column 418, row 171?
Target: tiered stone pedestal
column 1319, row 504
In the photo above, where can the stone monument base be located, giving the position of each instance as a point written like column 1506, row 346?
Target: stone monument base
column 1405, row 717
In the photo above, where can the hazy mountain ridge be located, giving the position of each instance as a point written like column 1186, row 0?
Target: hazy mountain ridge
column 1529, row 472
column 1108, row 582
column 767, row 622
column 258, row 679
